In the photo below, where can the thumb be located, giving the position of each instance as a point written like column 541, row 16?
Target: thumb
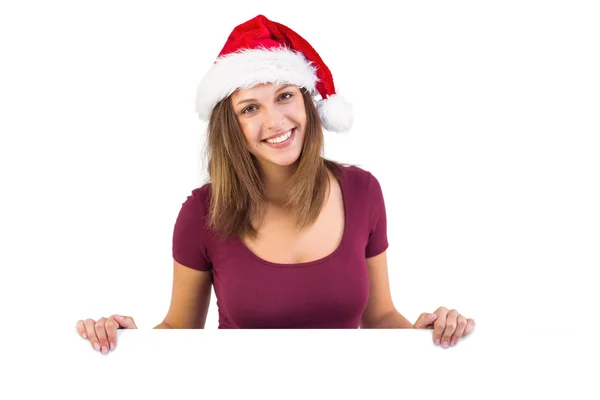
column 125, row 322
column 425, row 320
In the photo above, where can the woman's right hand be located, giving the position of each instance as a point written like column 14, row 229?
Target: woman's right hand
column 103, row 333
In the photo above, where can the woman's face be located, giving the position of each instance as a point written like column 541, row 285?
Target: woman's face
column 273, row 120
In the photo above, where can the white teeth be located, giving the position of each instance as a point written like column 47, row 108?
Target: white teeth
column 281, row 138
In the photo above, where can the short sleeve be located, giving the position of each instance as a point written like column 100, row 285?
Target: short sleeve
column 378, row 242
column 189, row 234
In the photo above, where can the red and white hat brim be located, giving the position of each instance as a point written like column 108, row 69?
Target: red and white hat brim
column 250, row 67
column 247, row 68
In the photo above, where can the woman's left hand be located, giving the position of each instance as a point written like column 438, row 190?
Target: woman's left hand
column 448, row 326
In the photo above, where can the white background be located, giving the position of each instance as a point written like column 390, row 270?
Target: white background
column 480, row 120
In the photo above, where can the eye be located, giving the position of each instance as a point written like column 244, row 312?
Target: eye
column 286, row 96
column 249, row 109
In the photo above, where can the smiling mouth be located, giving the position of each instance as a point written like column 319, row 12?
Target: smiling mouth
column 280, row 139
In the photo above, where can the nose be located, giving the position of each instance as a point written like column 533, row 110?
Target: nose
column 273, row 118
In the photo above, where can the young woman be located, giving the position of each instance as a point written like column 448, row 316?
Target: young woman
column 288, row 238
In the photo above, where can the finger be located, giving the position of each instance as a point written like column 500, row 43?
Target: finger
column 91, row 332
column 441, row 310
column 469, row 328
column 439, row 325
column 111, row 327
column 424, row 321
column 101, row 334
column 461, row 324
column 81, row 329
column 420, row 322
column 451, row 322
column 125, row 322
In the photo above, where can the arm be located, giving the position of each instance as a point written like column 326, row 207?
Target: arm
column 380, row 311
column 189, row 300
column 448, row 325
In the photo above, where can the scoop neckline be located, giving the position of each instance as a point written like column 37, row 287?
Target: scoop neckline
column 333, row 254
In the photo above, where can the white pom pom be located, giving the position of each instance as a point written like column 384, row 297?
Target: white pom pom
column 336, row 114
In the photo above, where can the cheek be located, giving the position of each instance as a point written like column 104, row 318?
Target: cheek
column 248, row 131
column 300, row 114
column 251, row 136
column 300, row 118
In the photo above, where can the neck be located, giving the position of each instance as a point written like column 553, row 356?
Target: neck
column 275, row 179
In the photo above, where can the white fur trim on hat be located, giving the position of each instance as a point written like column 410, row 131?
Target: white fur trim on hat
column 250, row 67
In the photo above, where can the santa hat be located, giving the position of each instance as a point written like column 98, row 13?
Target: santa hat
column 262, row 51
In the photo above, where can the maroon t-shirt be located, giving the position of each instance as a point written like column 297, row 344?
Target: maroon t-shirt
column 331, row 292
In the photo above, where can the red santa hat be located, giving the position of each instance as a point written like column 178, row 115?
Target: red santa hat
column 262, row 51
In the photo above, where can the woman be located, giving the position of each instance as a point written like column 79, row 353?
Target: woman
column 288, row 238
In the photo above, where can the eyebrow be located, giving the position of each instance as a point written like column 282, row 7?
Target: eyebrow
column 251, row 100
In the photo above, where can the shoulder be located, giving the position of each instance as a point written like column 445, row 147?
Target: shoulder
column 191, row 234
column 200, row 196
column 197, row 204
column 358, row 178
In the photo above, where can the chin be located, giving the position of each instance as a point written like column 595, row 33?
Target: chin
column 285, row 163
column 280, row 161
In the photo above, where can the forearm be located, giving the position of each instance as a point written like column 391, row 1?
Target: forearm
column 162, row 325
column 393, row 320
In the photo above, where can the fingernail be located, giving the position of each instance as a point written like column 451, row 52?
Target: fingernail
column 445, row 345
column 96, row 346
column 112, row 346
column 104, row 350
column 437, row 342
column 452, row 343
column 84, row 335
column 119, row 316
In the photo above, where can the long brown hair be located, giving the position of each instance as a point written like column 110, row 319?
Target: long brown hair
column 236, row 189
